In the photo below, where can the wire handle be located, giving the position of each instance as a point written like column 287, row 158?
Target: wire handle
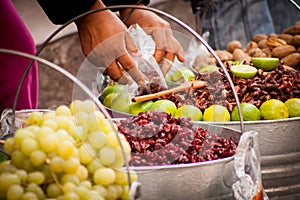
column 185, row 26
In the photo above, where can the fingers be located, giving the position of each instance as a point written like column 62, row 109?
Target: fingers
column 129, row 65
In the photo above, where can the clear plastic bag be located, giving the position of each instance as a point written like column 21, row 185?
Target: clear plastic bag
column 248, row 183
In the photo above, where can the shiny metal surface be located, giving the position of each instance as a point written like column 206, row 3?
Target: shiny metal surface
column 279, row 143
column 206, row 180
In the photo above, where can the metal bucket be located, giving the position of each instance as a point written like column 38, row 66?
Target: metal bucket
column 204, row 180
column 279, row 144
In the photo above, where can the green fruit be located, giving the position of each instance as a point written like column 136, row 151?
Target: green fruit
column 274, row 109
column 121, row 102
column 249, row 112
column 209, row 68
column 165, row 106
column 243, row 71
column 193, row 112
column 116, row 88
column 216, row 113
column 293, row 106
column 182, row 75
column 267, row 64
column 109, row 98
column 136, row 107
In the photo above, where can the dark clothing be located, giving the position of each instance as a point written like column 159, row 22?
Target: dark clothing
column 61, row 11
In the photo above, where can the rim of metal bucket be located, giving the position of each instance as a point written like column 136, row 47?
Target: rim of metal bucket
column 84, row 88
column 182, row 24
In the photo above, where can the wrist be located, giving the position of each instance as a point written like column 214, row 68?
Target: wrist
column 90, row 17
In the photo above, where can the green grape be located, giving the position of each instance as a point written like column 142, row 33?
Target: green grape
column 88, row 106
column 81, row 118
column 38, row 157
column 43, row 131
column 112, row 193
column 107, row 155
column 20, row 135
column 6, row 166
column 104, row 176
column 94, row 165
column 14, row 192
column 121, row 177
column 70, row 178
column 27, row 165
column 62, row 134
column 34, row 129
column 97, row 139
column 118, row 188
column 32, row 187
column 94, row 195
column 29, row 145
column 125, row 194
column 82, row 191
column 29, row 196
column 9, row 145
column 45, row 169
column 71, row 165
column 65, row 148
column 56, row 164
column 63, row 122
column 49, row 115
column 86, row 183
column 100, row 189
column 82, row 173
column 36, row 177
column 35, row 118
column 51, row 123
column 53, row 190
column 8, row 179
column 86, row 153
column 76, row 106
column 71, row 196
column 48, row 142
column 94, row 120
column 69, row 187
column 63, row 110
column 17, row 158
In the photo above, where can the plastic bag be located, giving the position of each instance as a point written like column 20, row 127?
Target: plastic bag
column 144, row 60
column 248, row 183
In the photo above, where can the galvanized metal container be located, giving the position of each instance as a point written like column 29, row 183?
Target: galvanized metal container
column 206, row 180
column 279, row 144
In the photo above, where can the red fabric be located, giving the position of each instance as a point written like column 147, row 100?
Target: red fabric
column 14, row 35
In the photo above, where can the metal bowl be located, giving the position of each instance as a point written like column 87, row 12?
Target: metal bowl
column 278, row 142
column 205, row 180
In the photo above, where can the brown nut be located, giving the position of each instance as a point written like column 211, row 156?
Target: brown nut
column 275, row 42
column 286, row 37
column 250, row 45
column 224, row 55
column 292, row 60
column 267, row 51
column 258, row 37
column 240, row 55
column 282, row 51
column 234, row 44
column 256, row 52
column 263, row 44
column 296, row 40
column 293, row 30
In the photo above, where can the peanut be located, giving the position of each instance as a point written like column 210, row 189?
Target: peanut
column 258, row 37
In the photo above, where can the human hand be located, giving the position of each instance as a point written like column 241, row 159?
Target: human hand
column 167, row 47
column 106, row 43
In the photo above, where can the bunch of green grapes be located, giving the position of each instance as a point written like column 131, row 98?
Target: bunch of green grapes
column 71, row 153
